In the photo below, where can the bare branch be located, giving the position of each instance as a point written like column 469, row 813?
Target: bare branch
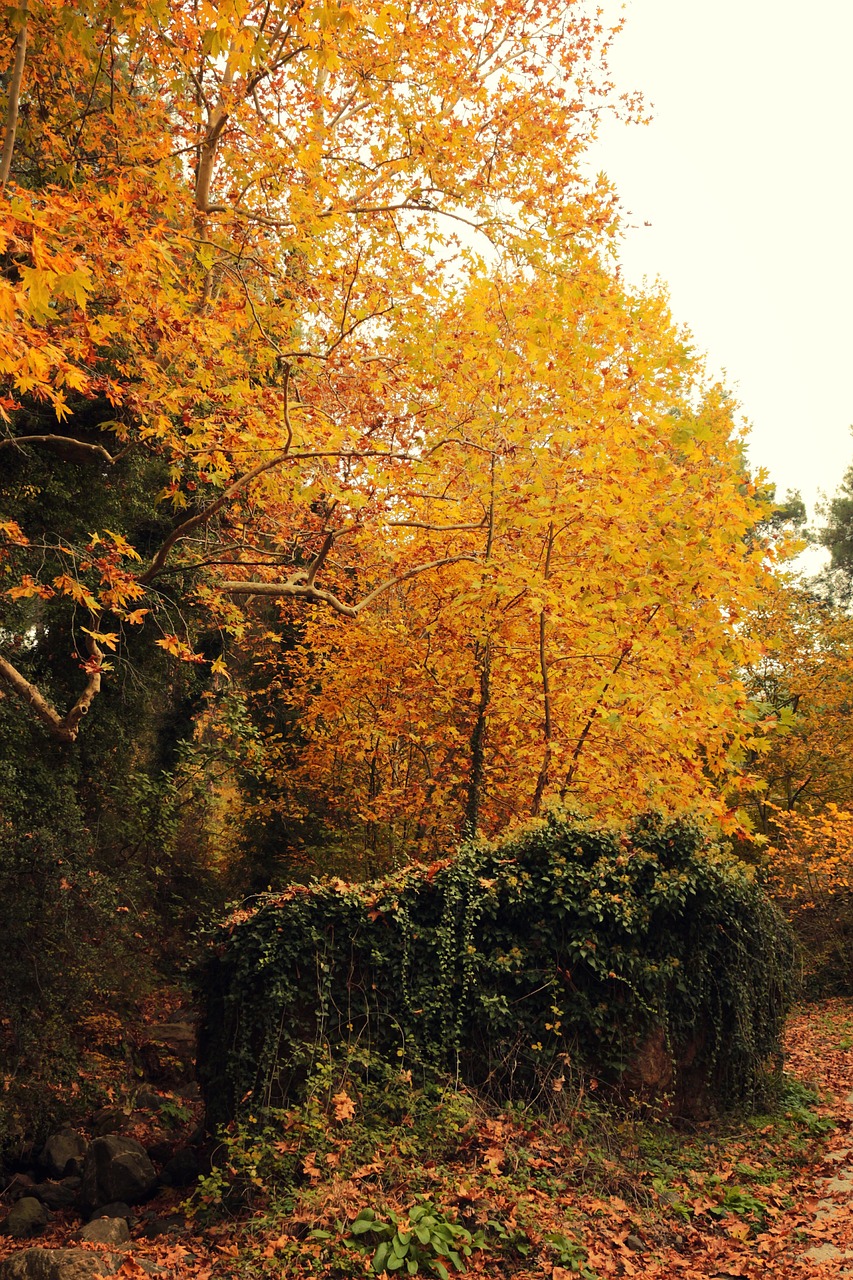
column 65, row 729
column 14, row 100
column 300, row 587
column 202, row 517
column 67, row 442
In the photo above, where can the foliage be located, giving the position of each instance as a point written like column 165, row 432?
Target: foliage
column 424, row 1243
column 574, row 656
column 801, row 686
column 236, row 293
column 506, row 965
column 811, row 865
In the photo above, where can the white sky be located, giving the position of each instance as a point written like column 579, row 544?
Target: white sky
column 746, row 175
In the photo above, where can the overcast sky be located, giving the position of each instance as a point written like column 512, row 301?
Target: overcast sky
column 746, row 175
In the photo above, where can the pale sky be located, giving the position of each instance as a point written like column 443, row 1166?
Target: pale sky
column 746, row 175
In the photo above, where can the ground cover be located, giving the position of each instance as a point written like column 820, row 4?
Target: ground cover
column 380, row 1169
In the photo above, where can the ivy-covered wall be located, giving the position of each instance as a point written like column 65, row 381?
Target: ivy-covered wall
column 565, row 948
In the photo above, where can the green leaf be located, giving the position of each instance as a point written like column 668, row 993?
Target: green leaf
column 362, row 1225
column 380, row 1255
column 442, row 1270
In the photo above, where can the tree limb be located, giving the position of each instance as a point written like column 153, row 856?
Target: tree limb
column 66, row 442
column 66, row 728
column 14, row 100
column 302, row 587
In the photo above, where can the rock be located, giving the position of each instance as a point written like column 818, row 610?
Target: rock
column 168, row 1055
column 172, row 1225
column 106, row 1231
column 182, row 1169
column 58, row 1264
column 190, row 1092
column 27, row 1217
column 634, row 1242
column 108, row 1120
column 59, row 1195
column 63, row 1153
column 118, row 1209
column 148, row 1100
column 116, row 1169
column 21, row 1185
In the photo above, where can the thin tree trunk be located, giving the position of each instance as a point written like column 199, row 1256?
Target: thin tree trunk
column 547, row 724
column 478, row 734
column 478, row 748
column 14, row 99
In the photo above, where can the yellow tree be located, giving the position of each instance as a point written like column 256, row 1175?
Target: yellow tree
column 214, row 217
column 585, row 646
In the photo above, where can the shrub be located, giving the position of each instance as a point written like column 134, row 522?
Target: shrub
column 502, row 965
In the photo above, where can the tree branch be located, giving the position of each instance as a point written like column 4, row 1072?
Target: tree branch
column 66, row 728
column 202, row 517
column 66, row 442
column 14, row 99
column 301, row 587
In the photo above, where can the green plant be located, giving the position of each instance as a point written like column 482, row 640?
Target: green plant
column 422, row 1243
column 570, row 1254
column 567, row 942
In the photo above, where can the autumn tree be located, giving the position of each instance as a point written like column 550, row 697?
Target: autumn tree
column 585, row 648
column 215, row 217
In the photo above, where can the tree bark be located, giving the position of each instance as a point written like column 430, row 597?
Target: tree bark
column 63, row 728
column 14, row 99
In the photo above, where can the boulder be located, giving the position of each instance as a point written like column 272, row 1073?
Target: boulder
column 106, row 1231
column 21, row 1185
column 169, row 1053
column 59, row 1195
column 58, row 1264
column 63, row 1153
column 108, row 1120
column 116, row 1169
column 148, row 1100
column 27, row 1217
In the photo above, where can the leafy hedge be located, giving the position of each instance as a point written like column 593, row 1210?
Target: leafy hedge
column 567, row 947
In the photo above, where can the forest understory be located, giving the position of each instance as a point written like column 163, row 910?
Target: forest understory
column 571, row 1188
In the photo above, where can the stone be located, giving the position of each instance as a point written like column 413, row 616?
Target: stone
column 168, row 1055
column 59, row 1195
column 63, row 1153
column 21, row 1185
column 161, row 1150
column 58, row 1264
column 182, row 1170
column 27, row 1217
column 174, row 1224
column 148, row 1100
column 116, row 1169
column 634, row 1242
column 106, row 1231
column 118, row 1209
column 108, row 1120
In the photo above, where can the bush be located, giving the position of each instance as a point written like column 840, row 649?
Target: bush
column 502, row 965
